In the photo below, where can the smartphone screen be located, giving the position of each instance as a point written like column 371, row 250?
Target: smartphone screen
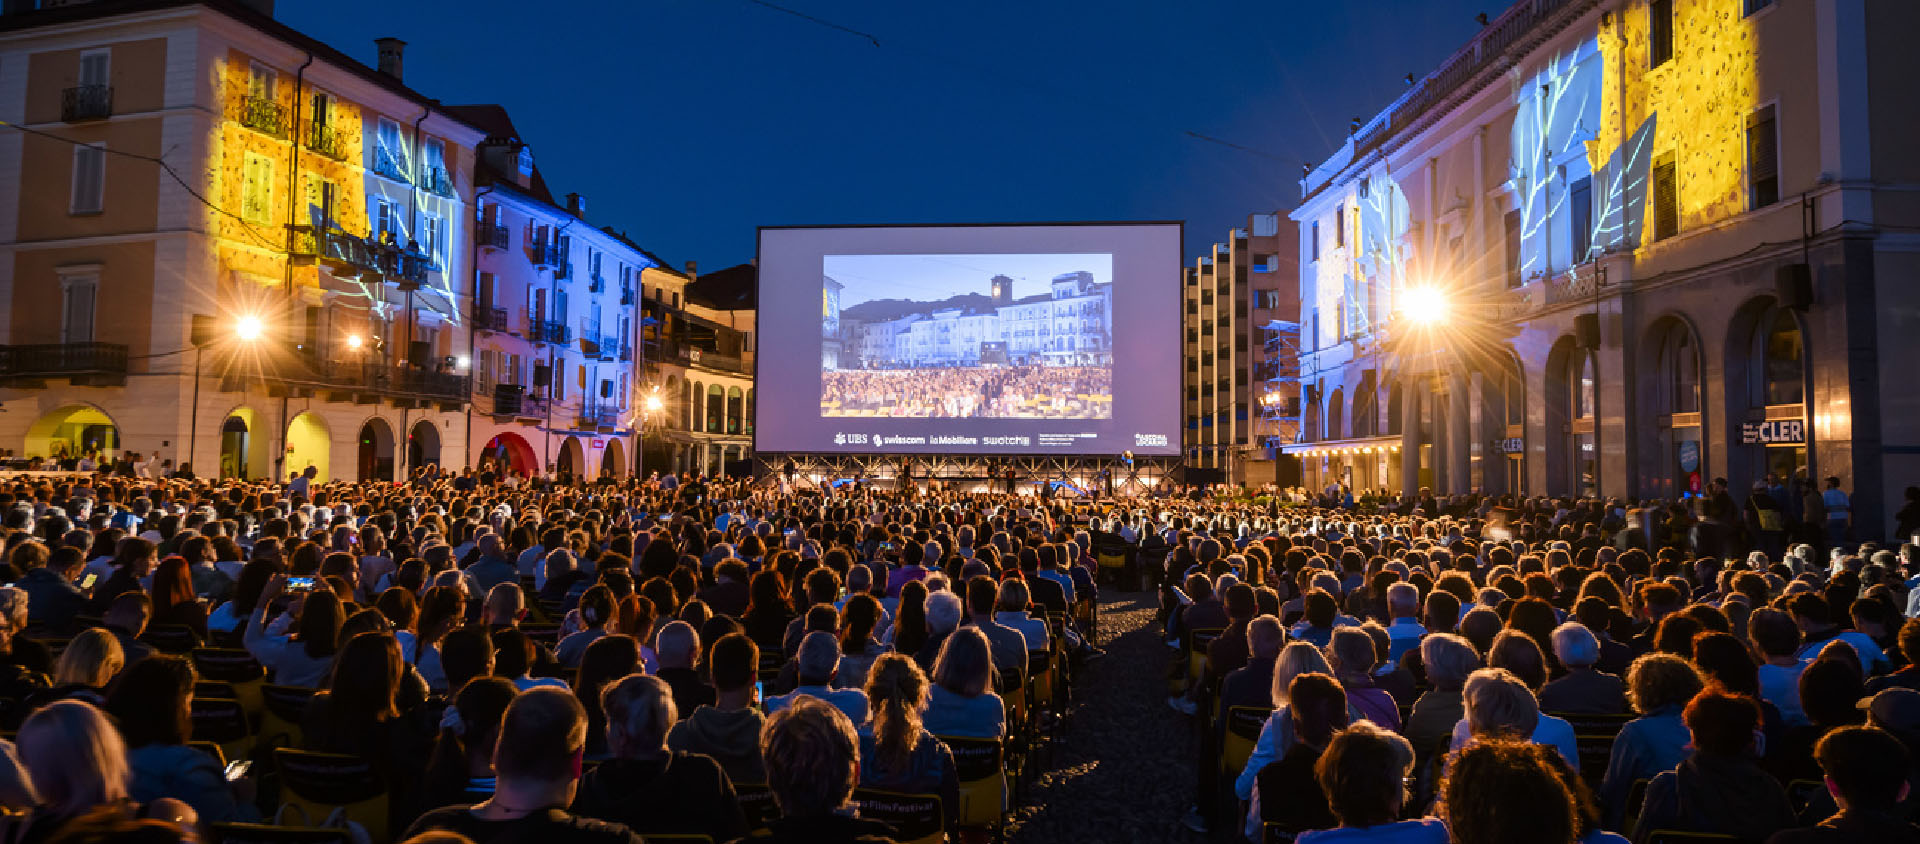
column 300, row 584
column 757, row 689
column 238, row 768
column 88, row 581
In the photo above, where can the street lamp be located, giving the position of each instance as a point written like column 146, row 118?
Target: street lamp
column 247, row 329
column 1424, row 305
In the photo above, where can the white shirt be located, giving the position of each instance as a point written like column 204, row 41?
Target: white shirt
column 1552, row 732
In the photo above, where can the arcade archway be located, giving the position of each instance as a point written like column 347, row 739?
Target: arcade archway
column 376, row 451
column 423, row 445
column 572, row 460
column 613, row 462
column 244, row 445
column 309, row 443
column 72, row 431
column 510, row 452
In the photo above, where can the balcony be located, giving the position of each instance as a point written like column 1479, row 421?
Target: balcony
column 327, row 141
column 351, row 256
column 714, row 360
column 609, row 347
column 603, row 417
column 386, row 162
column 491, row 236
column 543, row 253
column 562, row 270
column 626, row 296
column 626, row 352
column 490, row 318
column 436, row 180
column 365, row 381
column 94, row 363
column 596, row 283
column 547, row 331
column 86, row 102
column 265, row 116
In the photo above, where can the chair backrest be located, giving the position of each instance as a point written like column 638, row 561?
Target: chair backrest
column 1242, row 732
column 227, row 665
column 757, row 804
column 259, row 833
column 171, row 638
column 975, row 759
column 680, row 838
column 322, row 782
column 1676, row 836
column 1594, row 725
column 915, row 818
column 981, row 767
column 222, row 721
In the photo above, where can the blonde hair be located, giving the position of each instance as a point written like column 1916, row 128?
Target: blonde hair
column 74, row 757
column 1499, row 703
column 640, row 711
column 91, row 659
column 965, row 664
column 1295, row 659
column 896, row 692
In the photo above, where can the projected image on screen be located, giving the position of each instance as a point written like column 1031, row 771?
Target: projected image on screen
column 987, row 336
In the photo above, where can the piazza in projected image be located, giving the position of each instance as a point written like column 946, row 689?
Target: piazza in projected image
column 999, row 336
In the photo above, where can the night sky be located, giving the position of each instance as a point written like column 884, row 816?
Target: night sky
column 687, row 123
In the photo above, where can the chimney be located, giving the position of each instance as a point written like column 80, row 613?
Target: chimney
column 576, row 205
column 693, row 270
column 390, row 50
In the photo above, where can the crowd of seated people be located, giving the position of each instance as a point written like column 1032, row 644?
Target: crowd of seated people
column 503, row 662
column 1553, row 684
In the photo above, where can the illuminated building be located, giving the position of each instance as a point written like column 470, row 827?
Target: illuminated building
column 286, row 291
column 1673, row 240
column 556, row 315
column 1238, row 363
column 707, row 357
column 1068, row 325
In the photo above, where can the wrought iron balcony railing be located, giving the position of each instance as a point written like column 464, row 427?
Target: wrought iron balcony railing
column 490, row 318
column 491, row 236
column 543, row 253
column 86, row 102
column 64, row 359
column 547, row 331
column 386, row 162
column 326, row 140
column 351, row 256
column 436, row 180
column 263, row 115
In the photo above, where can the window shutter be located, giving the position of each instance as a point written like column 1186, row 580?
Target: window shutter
column 1763, row 158
column 79, row 317
column 1666, row 201
column 89, row 179
column 95, row 68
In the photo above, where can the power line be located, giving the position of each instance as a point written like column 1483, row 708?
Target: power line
column 247, row 225
column 821, row 21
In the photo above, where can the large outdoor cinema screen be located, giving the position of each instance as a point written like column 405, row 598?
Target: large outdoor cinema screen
column 1001, row 339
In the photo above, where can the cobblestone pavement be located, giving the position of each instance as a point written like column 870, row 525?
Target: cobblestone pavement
column 1124, row 769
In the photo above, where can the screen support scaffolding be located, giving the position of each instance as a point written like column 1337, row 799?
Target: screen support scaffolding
column 1080, row 475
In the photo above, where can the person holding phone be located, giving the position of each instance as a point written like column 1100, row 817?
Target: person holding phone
column 304, row 657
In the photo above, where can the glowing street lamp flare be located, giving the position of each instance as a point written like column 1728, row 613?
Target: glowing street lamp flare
column 1424, row 305
column 353, row 341
column 653, row 403
column 248, row 328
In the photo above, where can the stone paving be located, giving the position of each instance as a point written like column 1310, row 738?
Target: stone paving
column 1124, row 770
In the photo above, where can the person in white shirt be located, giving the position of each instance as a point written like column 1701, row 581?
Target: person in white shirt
column 1499, row 703
column 1405, row 631
column 1012, row 607
column 818, row 661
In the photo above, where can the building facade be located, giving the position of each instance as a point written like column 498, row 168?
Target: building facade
column 556, row 317
column 1069, row 325
column 225, row 244
column 1672, row 241
column 698, row 338
column 1239, row 304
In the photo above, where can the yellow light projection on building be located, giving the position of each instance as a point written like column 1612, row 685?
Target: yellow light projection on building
column 1700, row 98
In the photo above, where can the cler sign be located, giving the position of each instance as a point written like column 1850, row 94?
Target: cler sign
column 1774, row 432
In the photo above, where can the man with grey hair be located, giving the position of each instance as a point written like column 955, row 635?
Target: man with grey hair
column 1584, row 690
column 943, row 616
column 678, row 649
column 1405, row 630
column 818, row 661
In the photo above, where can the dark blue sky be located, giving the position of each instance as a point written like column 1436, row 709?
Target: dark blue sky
column 687, row 123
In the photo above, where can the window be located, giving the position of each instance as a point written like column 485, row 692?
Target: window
column 389, row 154
column 1580, row 200
column 78, row 292
column 386, row 222
column 432, row 235
column 1316, row 329
column 1314, row 239
column 1512, row 227
column 1782, row 353
column 256, row 188
column 1755, row 5
column 1659, row 32
column 320, row 200
column 1666, row 199
column 483, row 369
column 1340, row 228
column 322, row 111
column 1763, row 159
column 260, row 81
column 436, row 157
column 96, row 68
column 89, row 179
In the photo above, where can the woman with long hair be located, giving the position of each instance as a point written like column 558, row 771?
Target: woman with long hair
column 174, row 602
column 153, row 704
column 133, row 559
column 461, row 768
column 896, row 751
column 92, row 658
column 609, row 658
column 858, row 648
column 909, row 632
column 359, row 715
column 768, row 612
column 305, row 657
column 77, row 764
column 963, row 702
column 441, row 609
column 1317, row 705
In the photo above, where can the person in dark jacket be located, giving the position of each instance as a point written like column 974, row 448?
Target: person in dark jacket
column 1865, row 770
column 52, row 597
column 678, row 648
column 729, row 729
column 813, row 762
column 1721, row 789
column 1583, row 689
column 651, row 789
